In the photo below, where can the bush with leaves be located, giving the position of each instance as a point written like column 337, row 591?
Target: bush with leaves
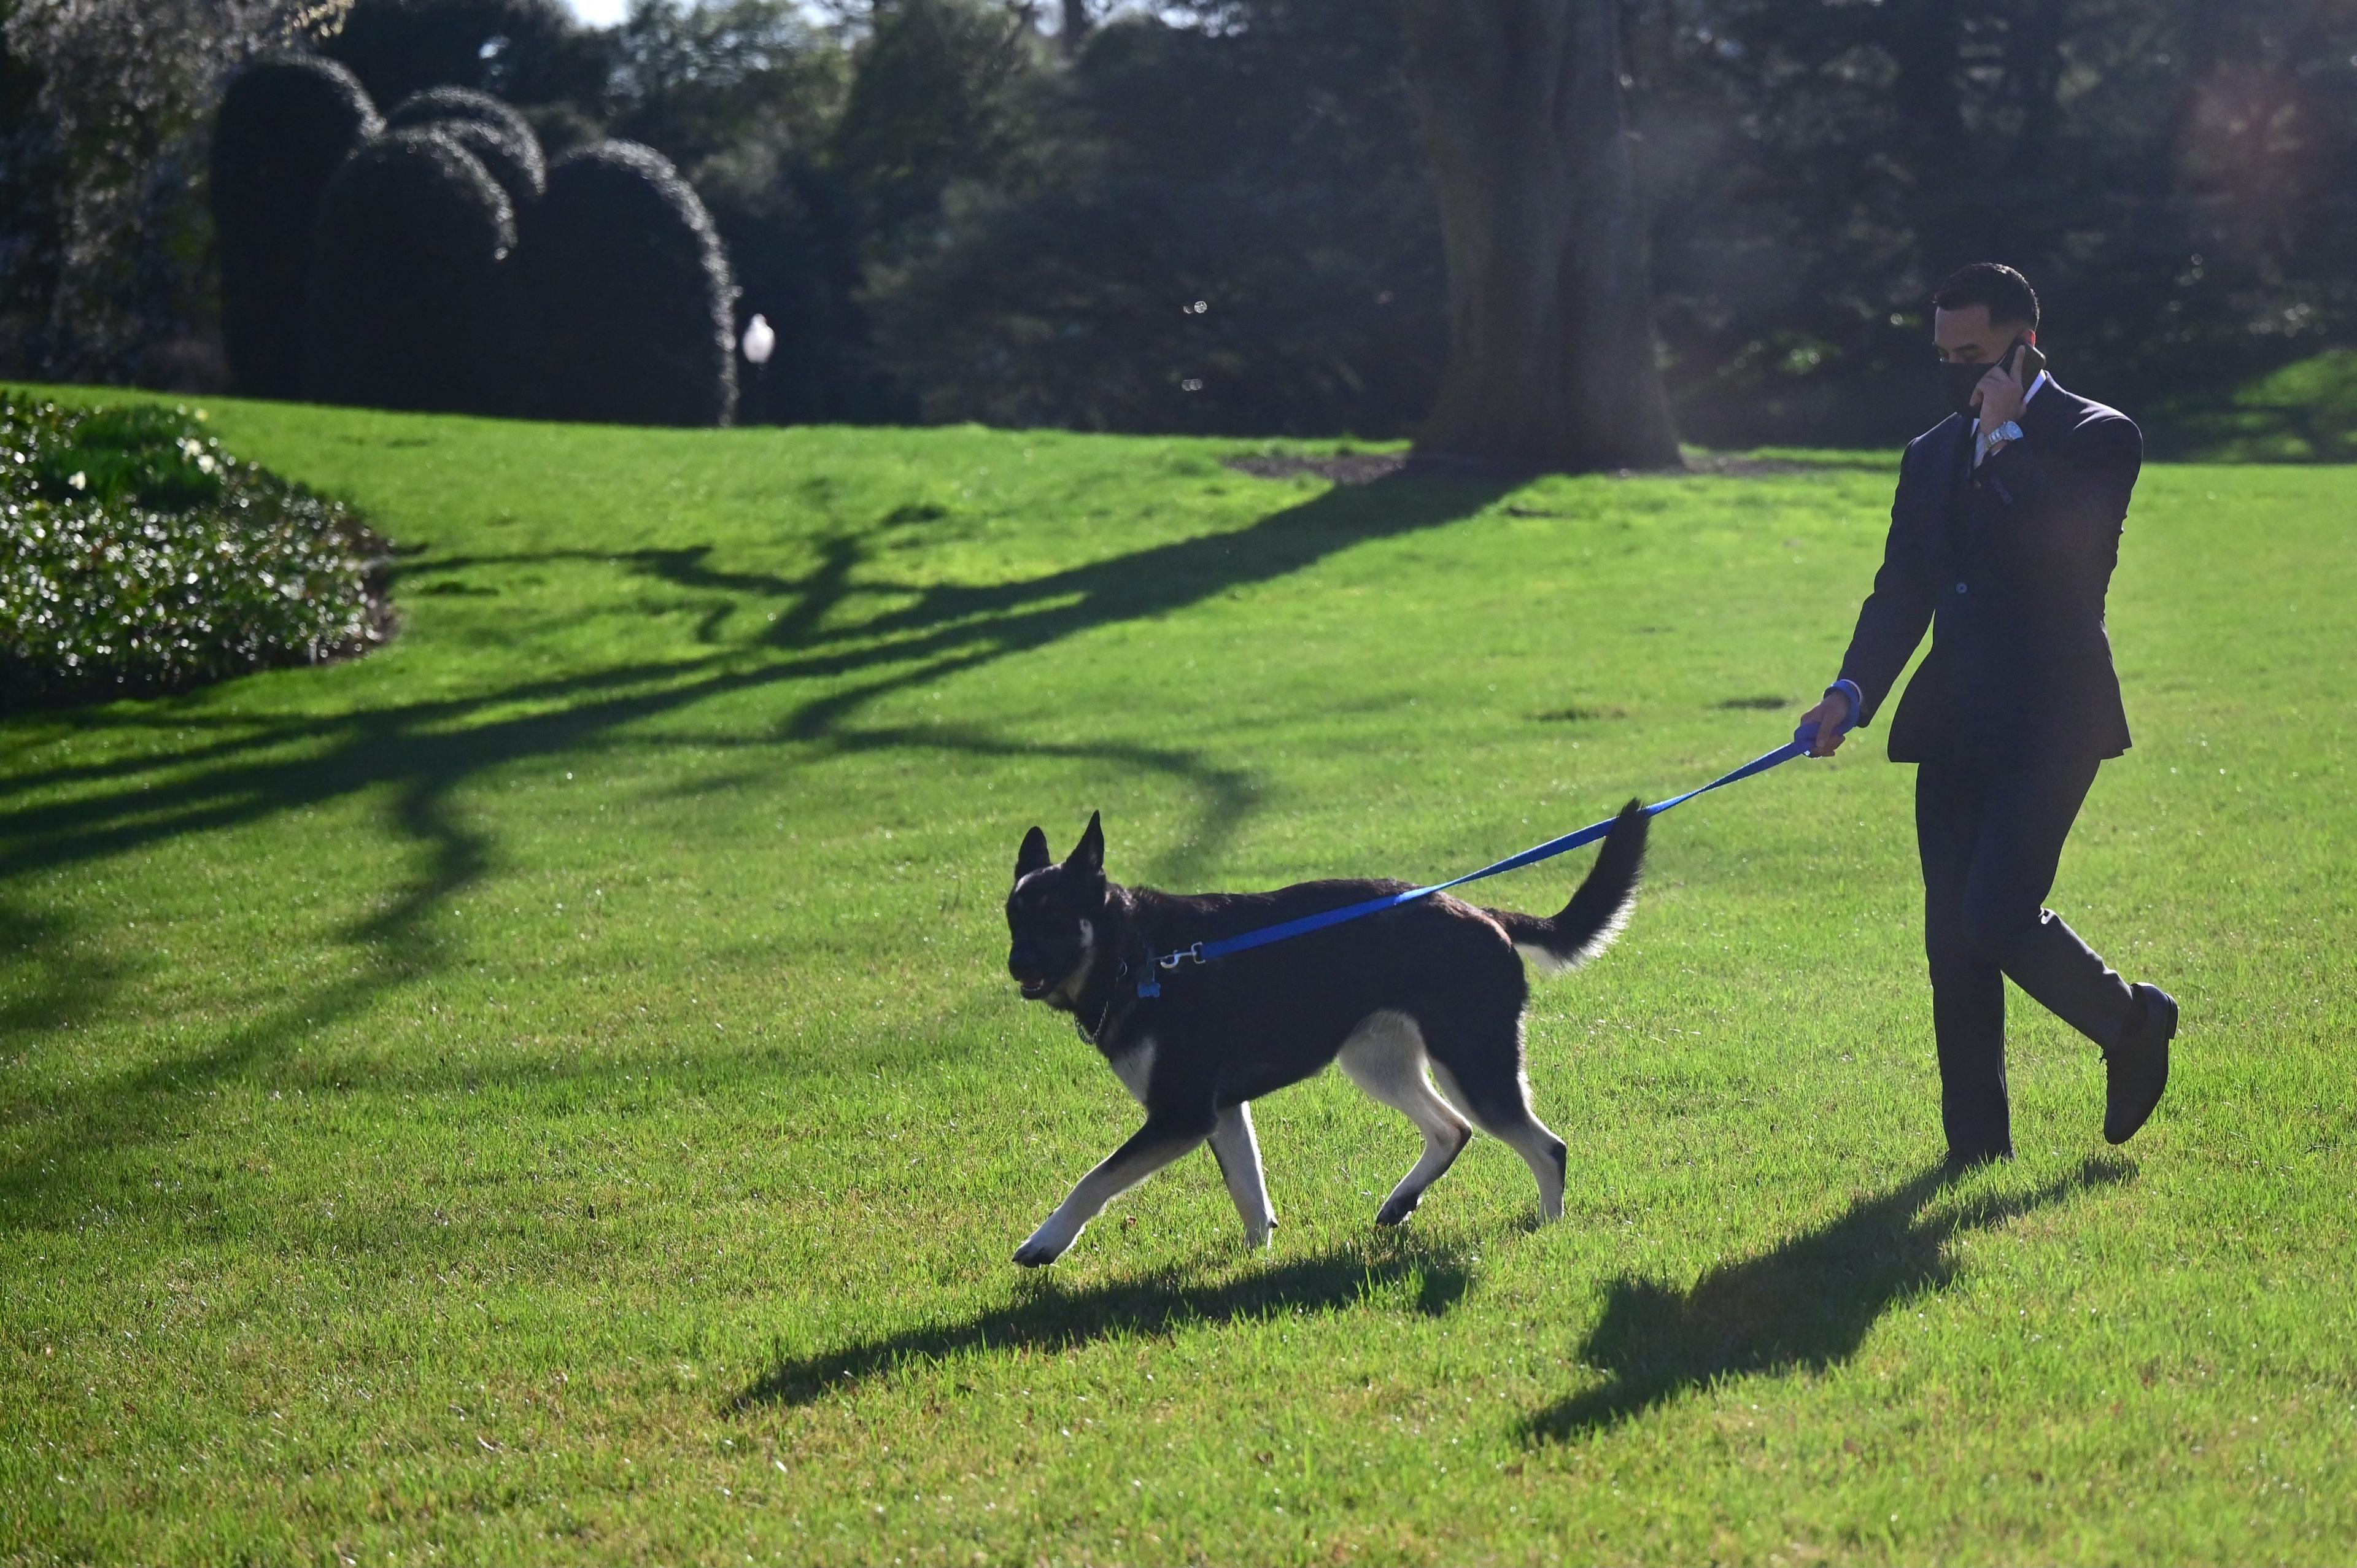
column 528, row 50
column 626, row 295
column 284, row 124
column 138, row 558
column 408, row 305
column 514, row 162
column 438, row 104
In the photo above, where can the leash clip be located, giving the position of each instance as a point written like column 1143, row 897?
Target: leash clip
column 1149, row 984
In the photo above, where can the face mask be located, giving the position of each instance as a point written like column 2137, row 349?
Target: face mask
column 1959, row 382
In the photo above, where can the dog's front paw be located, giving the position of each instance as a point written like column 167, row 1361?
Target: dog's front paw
column 1039, row 1252
column 1396, row 1209
column 1260, row 1238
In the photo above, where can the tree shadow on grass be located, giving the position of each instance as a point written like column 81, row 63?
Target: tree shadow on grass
column 1803, row 1305
column 1050, row 1319
column 427, row 751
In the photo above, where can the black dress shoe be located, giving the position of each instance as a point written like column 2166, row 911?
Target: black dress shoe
column 2139, row 1064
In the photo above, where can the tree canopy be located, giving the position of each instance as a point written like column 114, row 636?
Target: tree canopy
column 1220, row 216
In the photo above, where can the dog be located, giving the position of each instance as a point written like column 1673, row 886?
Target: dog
column 1433, row 990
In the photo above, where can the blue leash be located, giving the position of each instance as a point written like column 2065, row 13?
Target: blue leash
column 1149, row 984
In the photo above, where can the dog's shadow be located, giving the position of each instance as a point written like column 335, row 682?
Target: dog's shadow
column 1427, row 1279
column 1804, row 1305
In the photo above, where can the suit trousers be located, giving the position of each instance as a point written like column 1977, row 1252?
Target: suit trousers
column 1990, row 840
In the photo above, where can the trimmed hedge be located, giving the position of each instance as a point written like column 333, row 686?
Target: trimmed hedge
column 398, row 46
column 514, row 161
column 137, row 558
column 436, row 105
column 284, row 126
column 627, row 302
column 494, row 132
column 406, row 305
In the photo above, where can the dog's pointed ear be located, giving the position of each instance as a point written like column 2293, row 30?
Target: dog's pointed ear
column 1088, row 856
column 1033, row 856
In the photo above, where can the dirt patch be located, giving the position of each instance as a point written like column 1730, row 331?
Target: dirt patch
column 1342, row 467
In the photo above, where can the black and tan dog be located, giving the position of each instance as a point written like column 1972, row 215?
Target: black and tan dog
column 1432, row 990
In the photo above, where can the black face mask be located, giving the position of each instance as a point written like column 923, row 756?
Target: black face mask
column 1959, row 382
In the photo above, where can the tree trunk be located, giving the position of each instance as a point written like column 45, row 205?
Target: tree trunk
column 1075, row 36
column 1950, row 205
column 1551, row 357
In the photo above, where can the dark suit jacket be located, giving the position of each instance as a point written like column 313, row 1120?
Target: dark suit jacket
column 2008, row 565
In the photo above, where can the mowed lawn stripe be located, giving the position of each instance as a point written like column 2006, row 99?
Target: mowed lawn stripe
column 550, row 1090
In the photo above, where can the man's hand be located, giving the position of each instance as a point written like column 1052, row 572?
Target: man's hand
column 1829, row 716
column 2000, row 395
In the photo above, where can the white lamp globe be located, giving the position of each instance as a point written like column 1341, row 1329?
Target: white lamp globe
column 760, row 340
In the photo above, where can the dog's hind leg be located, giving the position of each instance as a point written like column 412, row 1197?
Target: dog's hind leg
column 1163, row 1139
column 1482, row 1071
column 1236, row 1148
column 1384, row 1056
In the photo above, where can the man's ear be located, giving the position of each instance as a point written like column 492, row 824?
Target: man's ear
column 1033, row 856
column 1088, row 856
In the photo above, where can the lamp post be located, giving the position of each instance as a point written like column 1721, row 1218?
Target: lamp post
column 761, row 342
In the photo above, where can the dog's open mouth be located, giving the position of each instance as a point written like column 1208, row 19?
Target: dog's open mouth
column 1034, row 989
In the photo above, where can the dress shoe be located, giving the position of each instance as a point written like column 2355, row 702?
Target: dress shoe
column 2139, row 1064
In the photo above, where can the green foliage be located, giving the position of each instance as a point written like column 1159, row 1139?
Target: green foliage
column 743, row 97
column 941, row 90
column 408, row 307
column 2305, row 413
column 510, row 157
column 553, row 1092
column 729, row 80
column 528, row 50
column 2171, row 175
column 284, row 125
column 138, row 558
column 625, row 295
column 1227, row 231
column 436, row 105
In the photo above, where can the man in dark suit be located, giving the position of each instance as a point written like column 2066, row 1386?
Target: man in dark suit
column 2003, row 537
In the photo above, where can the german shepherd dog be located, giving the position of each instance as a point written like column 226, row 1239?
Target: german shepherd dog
column 1431, row 990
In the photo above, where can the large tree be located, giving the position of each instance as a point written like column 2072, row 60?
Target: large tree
column 1552, row 359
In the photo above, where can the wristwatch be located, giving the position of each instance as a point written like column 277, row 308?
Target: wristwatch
column 2008, row 431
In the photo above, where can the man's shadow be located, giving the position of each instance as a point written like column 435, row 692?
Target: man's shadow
column 1048, row 1318
column 1806, row 1304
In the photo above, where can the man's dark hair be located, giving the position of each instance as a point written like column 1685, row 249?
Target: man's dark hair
column 2011, row 301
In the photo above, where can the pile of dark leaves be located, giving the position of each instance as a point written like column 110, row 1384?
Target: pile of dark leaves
column 137, row 558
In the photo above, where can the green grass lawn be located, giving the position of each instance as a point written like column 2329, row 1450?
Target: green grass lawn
column 549, row 1090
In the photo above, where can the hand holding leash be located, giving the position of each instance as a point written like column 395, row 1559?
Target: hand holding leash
column 1827, row 726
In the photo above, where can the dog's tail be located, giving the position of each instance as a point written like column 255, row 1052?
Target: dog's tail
column 1597, row 912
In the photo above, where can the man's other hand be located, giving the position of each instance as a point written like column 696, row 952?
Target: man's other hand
column 1829, row 716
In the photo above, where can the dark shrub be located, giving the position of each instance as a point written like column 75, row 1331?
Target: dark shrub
column 626, row 295
column 436, row 105
column 137, row 557
column 492, row 130
column 284, row 124
column 514, row 162
column 506, row 45
column 406, row 305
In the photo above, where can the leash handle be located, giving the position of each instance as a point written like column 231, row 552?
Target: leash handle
column 1805, row 737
